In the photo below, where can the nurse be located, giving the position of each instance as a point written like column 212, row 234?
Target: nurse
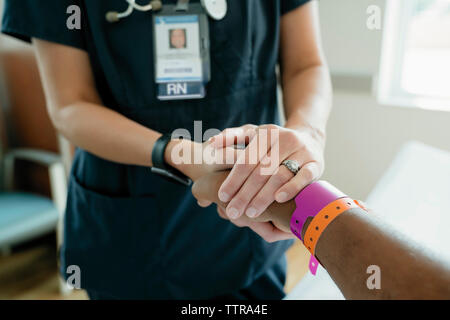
column 131, row 222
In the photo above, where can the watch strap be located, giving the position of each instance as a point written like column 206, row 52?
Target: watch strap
column 159, row 148
column 160, row 166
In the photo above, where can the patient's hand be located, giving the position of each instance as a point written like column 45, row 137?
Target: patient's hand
column 272, row 225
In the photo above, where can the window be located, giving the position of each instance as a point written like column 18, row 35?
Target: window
column 415, row 62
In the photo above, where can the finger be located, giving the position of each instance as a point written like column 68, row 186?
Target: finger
column 240, row 201
column 221, row 212
column 240, row 222
column 307, row 174
column 257, row 180
column 266, row 196
column 241, row 170
column 204, row 203
column 281, row 175
column 231, row 136
column 255, row 151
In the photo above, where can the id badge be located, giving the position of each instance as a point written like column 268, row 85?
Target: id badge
column 181, row 52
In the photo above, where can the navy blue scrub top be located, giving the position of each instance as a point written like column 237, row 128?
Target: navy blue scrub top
column 132, row 233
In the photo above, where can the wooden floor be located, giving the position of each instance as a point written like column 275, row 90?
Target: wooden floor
column 30, row 272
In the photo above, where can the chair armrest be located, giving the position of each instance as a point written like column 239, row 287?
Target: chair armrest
column 37, row 156
column 50, row 160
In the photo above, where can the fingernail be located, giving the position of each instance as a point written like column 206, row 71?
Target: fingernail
column 224, row 197
column 251, row 212
column 281, row 197
column 233, row 213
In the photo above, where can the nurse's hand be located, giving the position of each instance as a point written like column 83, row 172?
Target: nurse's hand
column 272, row 225
column 258, row 178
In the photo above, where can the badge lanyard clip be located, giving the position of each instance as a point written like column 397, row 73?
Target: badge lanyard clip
column 182, row 5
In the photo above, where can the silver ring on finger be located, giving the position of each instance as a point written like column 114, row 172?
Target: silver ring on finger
column 292, row 165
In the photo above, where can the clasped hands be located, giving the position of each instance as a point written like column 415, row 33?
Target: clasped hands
column 272, row 225
column 250, row 186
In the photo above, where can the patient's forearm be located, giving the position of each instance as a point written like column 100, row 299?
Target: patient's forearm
column 354, row 241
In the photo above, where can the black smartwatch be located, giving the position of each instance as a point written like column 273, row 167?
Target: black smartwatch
column 160, row 166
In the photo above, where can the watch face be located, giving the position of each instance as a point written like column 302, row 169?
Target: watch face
column 216, row 9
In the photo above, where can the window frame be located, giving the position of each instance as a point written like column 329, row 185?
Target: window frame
column 390, row 91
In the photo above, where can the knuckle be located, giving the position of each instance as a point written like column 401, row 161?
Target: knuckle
column 282, row 176
column 232, row 129
column 231, row 189
column 269, row 128
column 241, row 172
column 258, row 177
column 259, row 202
column 233, row 182
column 239, row 200
column 249, row 126
column 290, row 137
column 290, row 134
column 308, row 174
column 195, row 191
column 225, row 133
column 278, row 179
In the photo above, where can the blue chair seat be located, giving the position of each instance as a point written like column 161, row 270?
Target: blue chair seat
column 24, row 216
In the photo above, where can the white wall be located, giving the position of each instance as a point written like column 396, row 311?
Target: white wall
column 363, row 136
column 351, row 47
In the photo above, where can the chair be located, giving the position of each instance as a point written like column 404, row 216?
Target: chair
column 26, row 215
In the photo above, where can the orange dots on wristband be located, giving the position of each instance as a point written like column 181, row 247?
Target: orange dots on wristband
column 323, row 219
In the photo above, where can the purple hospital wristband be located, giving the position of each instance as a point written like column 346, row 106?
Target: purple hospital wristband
column 309, row 202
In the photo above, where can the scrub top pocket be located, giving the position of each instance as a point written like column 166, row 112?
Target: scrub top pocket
column 113, row 226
